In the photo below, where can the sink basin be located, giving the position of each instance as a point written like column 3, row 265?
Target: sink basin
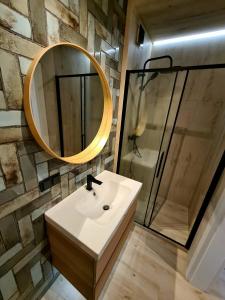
column 82, row 218
column 91, row 203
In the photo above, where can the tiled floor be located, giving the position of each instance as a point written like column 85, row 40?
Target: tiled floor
column 62, row 290
column 149, row 268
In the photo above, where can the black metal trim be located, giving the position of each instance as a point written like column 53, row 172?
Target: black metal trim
column 81, row 113
column 166, row 237
column 208, row 197
column 77, row 75
column 126, row 89
column 57, row 80
column 203, row 208
column 158, row 58
column 84, row 114
column 48, row 182
column 179, row 68
column 160, row 163
column 220, row 167
column 160, row 147
column 174, row 125
column 59, row 109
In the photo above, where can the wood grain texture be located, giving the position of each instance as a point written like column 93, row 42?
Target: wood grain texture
column 101, row 264
column 111, row 262
column 87, row 274
column 149, row 268
column 165, row 18
column 71, row 261
column 172, row 221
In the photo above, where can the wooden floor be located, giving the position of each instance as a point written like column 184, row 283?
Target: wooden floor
column 149, row 268
column 172, row 221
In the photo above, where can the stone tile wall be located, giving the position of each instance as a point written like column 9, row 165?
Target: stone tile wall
column 25, row 27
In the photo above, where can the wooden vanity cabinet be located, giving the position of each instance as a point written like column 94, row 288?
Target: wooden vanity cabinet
column 85, row 272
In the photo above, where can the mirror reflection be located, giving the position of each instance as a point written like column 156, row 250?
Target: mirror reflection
column 66, row 100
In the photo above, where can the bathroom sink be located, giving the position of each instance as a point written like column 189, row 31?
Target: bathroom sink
column 90, row 218
column 101, row 204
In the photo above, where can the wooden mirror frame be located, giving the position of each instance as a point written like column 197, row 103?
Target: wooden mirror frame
column 97, row 144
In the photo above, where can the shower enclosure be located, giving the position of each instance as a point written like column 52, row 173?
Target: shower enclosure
column 172, row 140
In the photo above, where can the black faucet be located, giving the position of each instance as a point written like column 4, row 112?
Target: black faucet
column 91, row 179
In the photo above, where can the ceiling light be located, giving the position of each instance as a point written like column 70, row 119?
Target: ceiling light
column 191, row 37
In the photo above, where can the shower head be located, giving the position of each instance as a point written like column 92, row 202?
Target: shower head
column 152, row 77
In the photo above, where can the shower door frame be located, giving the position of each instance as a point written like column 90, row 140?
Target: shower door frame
column 220, row 168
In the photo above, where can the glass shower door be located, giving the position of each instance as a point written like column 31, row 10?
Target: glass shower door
column 148, row 102
column 155, row 201
column 193, row 147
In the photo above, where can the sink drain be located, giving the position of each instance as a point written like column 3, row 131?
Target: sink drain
column 106, row 207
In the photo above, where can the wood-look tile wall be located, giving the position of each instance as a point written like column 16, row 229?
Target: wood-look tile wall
column 25, row 27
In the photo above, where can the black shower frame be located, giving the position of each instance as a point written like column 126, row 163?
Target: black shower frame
column 221, row 165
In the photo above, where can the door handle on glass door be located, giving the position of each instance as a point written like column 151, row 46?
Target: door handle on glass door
column 160, row 163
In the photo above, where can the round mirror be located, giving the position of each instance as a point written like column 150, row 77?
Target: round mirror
column 67, row 103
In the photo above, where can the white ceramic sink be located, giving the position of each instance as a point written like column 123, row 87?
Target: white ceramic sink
column 91, row 204
column 81, row 216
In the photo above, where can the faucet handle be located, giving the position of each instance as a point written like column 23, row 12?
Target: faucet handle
column 91, row 179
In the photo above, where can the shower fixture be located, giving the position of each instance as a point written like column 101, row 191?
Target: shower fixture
column 147, row 157
column 139, row 129
column 151, row 77
column 155, row 74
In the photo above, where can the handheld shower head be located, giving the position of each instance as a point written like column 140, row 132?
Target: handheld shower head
column 152, row 77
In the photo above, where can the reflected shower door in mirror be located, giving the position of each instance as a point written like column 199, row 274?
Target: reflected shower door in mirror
column 67, row 100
